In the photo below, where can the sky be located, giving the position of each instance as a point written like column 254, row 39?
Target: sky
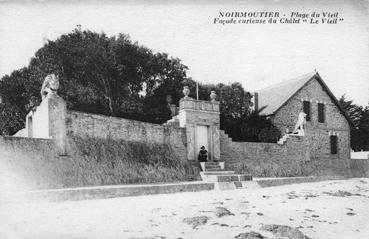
column 255, row 55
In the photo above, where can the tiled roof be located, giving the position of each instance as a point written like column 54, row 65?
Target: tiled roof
column 273, row 97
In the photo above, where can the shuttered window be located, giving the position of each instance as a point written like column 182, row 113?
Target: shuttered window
column 333, row 144
column 321, row 116
column 307, row 110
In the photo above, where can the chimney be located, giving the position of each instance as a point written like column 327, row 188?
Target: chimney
column 256, row 101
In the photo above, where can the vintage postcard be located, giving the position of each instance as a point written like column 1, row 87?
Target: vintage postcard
column 184, row 119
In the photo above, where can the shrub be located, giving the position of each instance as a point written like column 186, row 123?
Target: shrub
column 269, row 135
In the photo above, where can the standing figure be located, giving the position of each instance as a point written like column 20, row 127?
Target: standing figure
column 300, row 124
column 203, row 155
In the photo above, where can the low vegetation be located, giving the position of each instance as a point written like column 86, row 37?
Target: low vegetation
column 90, row 162
column 124, row 162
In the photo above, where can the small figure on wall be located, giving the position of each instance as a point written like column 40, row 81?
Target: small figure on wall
column 203, row 155
column 50, row 85
column 300, row 124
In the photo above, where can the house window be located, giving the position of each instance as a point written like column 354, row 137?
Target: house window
column 333, row 144
column 307, row 110
column 321, row 116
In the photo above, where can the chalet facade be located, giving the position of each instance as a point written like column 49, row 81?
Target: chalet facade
column 327, row 127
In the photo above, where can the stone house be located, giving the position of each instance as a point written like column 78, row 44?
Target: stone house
column 327, row 128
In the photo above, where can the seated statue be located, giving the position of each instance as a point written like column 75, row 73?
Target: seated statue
column 300, row 124
column 50, row 85
column 203, row 155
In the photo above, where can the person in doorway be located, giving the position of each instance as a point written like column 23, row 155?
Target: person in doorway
column 203, row 155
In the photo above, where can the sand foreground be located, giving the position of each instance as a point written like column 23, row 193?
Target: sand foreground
column 330, row 209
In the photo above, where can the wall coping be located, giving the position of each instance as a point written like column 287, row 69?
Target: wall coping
column 201, row 111
column 120, row 118
column 15, row 138
column 187, row 103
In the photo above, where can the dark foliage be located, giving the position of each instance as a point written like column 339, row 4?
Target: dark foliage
column 11, row 119
column 360, row 128
column 236, row 117
column 117, row 77
column 98, row 74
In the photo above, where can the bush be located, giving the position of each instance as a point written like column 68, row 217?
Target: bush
column 270, row 134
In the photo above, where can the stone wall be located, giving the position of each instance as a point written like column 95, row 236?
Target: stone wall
column 87, row 125
column 298, row 156
column 359, row 167
column 272, row 160
column 317, row 133
column 29, row 163
column 99, row 150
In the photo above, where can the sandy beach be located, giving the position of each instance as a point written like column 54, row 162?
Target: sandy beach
column 330, row 209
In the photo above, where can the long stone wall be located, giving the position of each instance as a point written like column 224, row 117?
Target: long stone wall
column 272, row 160
column 86, row 125
column 100, row 150
column 30, row 163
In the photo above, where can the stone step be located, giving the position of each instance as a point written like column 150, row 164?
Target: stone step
column 205, row 166
column 218, row 172
column 233, row 178
column 211, row 163
column 214, row 169
column 225, row 177
column 236, row 185
column 212, row 166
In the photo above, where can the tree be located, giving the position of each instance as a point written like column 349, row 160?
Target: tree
column 257, row 127
column 236, row 117
column 99, row 74
column 364, row 127
column 360, row 128
column 354, row 111
column 11, row 119
column 117, row 77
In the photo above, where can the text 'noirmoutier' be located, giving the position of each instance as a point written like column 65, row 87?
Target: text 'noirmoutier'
column 229, row 18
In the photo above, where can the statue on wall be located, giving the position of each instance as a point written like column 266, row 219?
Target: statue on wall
column 300, row 124
column 213, row 96
column 186, row 91
column 50, row 85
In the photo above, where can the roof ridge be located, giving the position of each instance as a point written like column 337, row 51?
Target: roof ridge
column 286, row 82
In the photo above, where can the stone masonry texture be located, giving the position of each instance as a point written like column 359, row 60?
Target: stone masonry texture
column 103, row 127
column 30, row 163
column 298, row 156
column 101, row 150
column 316, row 132
column 273, row 160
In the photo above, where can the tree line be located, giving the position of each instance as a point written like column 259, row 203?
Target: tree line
column 116, row 76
